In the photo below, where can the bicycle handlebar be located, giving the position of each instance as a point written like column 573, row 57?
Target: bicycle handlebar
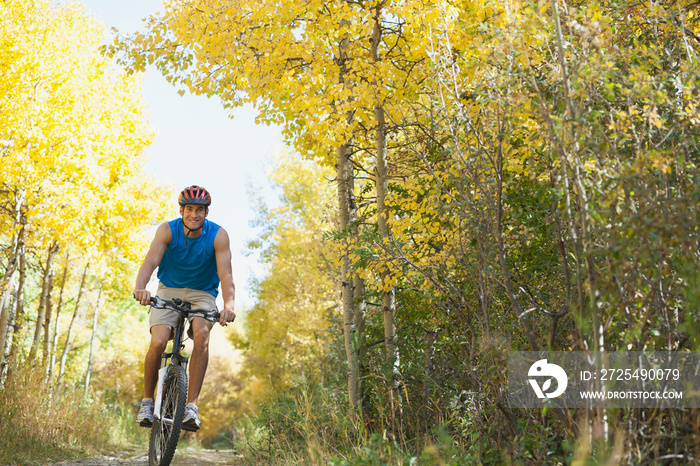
column 184, row 308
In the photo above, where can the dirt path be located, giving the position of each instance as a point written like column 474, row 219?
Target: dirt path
column 185, row 456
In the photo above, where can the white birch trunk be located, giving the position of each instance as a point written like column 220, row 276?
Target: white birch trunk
column 18, row 315
column 382, row 188
column 16, row 249
column 344, row 171
column 92, row 343
column 56, row 328
column 69, row 334
column 41, row 313
column 47, row 321
column 346, row 208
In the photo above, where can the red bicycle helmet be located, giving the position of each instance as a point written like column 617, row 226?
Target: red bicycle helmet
column 194, row 195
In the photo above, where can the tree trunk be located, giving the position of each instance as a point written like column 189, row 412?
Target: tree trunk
column 16, row 250
column 347, row 211
column 429, row 369
column 56, row 328
column 7, row 313
column 47, row 322
column 360, row 316
column 69, row 334
column 345, row 202
column 92, row 343
column 19, row 309
column 503, row 260
column 382, row 187
column 41, row 313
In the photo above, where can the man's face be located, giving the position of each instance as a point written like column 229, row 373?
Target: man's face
column 193, row 215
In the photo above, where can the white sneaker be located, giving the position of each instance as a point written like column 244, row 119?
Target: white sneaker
column 192, row 421
column 145, row 415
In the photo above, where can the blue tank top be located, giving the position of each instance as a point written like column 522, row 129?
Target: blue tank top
column 191, row 264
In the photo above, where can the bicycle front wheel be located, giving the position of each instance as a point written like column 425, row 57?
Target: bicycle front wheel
column 165, row 432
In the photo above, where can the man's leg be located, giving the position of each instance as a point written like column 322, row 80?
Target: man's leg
column 159, row 340
column 200, row 357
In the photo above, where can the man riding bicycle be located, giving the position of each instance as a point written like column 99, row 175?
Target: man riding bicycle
column 193, row 256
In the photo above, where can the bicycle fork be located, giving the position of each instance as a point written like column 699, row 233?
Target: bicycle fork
column 162, row 374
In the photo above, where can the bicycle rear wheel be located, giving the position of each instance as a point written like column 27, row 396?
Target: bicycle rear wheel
column 165, row 432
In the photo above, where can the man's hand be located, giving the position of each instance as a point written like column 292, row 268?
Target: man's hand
column 226, row 316
column 143, row 296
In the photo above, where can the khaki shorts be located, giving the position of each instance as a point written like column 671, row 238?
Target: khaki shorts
column 199, row 300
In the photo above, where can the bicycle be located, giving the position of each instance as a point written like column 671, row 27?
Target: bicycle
column 171, row 389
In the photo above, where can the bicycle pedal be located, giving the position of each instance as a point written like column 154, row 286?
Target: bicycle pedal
column 190, row 428
column 146, row 423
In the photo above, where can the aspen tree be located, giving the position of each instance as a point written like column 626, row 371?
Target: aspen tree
column 383, row 221
column 73, row 129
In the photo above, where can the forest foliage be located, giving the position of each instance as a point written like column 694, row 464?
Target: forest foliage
column 509, row 176
column 73, row 199
column 473, row 178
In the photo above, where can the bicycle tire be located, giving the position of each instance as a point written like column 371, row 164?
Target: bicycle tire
column 165, row 432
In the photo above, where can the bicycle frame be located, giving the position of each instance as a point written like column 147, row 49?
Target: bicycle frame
column 174, row 357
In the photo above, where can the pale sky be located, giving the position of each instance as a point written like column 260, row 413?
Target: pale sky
column 196, row 143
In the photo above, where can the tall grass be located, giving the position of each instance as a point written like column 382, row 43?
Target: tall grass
column 120, row 413
column 301, row 425
column 39, row 425
column 309, row 424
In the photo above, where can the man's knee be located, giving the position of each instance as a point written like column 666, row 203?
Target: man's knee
column 200, row 332
column 160, row 334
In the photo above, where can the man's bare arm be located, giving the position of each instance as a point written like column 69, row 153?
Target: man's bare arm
column 153, row 257
column 222, row 249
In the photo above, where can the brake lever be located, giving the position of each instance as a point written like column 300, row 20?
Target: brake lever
column 157, row 302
